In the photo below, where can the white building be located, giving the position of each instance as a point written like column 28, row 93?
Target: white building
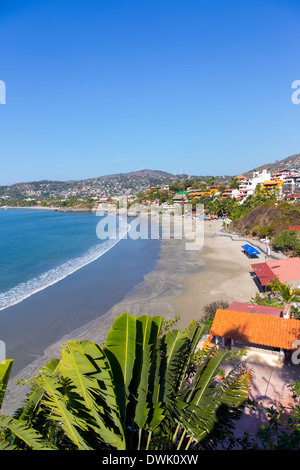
column 258, row 178
column 291, row 183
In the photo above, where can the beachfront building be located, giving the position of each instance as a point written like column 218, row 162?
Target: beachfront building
column 287, row 271
column 268, row 335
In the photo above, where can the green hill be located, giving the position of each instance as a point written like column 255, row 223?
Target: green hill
column 270, row 218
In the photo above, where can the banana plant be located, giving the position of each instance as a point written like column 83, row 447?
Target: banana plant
column 12, row 429
column 142, row 389
column 5, row 369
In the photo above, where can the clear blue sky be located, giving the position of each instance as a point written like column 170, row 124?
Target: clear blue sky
column 96, row 87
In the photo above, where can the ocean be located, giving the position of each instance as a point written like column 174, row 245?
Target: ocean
column 39, row 248
column 56, row 275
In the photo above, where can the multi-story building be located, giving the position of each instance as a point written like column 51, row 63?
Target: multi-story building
column 258, row 178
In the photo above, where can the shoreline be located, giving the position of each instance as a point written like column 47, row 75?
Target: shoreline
column 172, row 287
column 49, row 208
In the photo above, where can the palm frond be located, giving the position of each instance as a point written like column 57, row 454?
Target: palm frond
column 70, row 422
column 29, row 436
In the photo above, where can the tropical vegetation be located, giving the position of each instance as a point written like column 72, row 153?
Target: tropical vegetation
column 147, row 387
column 279, row 295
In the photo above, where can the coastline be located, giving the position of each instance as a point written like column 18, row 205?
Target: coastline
column 182, row 283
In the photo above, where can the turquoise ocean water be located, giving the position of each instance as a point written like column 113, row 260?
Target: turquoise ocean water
column 56, row 276
column 40, row 247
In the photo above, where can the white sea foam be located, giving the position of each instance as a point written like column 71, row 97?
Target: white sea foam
column 26, row 289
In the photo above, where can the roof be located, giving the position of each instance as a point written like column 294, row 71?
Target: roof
column 250, row 250
column 179, row 197
column 259, row 329
column 270, row 182
column 285, row 270
column 264, row 273
column 251, row 308
column 294, row 227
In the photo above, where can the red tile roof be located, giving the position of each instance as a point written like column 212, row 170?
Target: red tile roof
column 264, row 273
column 259, row 329
column 250, row 308
column 284, row 269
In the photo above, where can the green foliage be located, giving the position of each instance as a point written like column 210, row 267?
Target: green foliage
column 262, row 215
column 263, row 231
column 234, row 183
column 209, row 311
column 280, row 295
column 282, row 428
column 176, row 186
column 141, row 390
column 287, row 240
column 5, row 369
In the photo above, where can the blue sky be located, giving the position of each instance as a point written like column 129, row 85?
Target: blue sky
column 95, row 87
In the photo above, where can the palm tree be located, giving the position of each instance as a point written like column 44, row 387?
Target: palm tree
column 284, row 292
column 143, row 389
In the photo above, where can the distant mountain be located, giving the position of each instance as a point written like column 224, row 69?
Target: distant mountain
column 292, row 163
column 130, row 183
column 103, row 186
column 143, row 173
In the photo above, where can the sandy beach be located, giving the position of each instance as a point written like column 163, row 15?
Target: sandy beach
column 183, row 282
column 226, row 276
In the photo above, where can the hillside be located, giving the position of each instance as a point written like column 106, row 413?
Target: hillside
column 292, row 163
column 102, row 186
column 269, row 218
column 130, row 183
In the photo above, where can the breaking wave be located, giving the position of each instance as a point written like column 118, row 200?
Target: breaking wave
column 26, row 289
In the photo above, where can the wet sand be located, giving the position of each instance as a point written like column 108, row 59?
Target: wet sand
column 183, row 282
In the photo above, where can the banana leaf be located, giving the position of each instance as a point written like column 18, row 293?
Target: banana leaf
column 70, row 422
column 84, row 373
column 120, row 349
column 5, row 369
column 148, row 330
column 29, row 436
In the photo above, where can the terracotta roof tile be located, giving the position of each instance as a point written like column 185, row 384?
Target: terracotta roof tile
column 256, row 328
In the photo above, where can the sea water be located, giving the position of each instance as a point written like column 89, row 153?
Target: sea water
column 56, row 276
column 38, row 248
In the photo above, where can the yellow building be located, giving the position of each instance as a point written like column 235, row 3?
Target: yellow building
column 275, row 183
